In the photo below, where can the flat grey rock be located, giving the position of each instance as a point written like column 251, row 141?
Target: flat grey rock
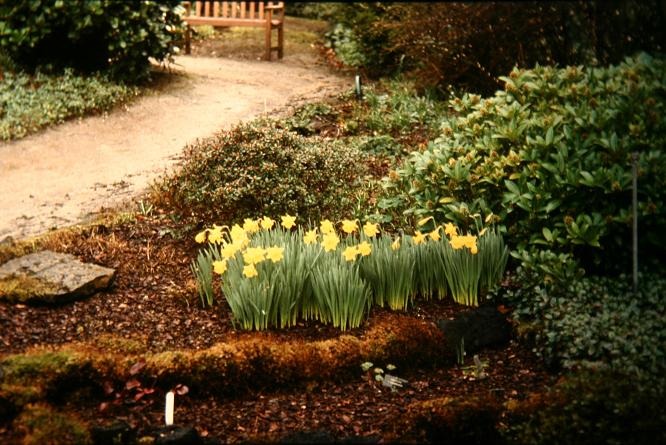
column 51, row 277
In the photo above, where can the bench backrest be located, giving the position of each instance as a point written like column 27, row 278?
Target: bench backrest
column 230, row 10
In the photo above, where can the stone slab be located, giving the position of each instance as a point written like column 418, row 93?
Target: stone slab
column 51, row 277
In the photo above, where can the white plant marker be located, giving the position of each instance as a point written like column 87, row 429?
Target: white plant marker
column 168, row 409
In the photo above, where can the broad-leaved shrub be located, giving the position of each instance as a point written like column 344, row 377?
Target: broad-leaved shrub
column 113, row 36
column 549, row 157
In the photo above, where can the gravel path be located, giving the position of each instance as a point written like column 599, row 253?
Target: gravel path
column 64, row 175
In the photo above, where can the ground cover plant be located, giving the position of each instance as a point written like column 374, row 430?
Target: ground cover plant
column 29, row 103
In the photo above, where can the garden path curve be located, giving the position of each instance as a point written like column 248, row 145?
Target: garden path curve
column 64, row 175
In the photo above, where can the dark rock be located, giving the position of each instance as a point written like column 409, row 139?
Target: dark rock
column 51, row 277
column 479, row 328
column 119, row 433
column 175, row 435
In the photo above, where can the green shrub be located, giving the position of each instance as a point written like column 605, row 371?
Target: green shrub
column 30, row 103
column 257, row 169
column 116, row 37
column 596, row 320
column 549, row 158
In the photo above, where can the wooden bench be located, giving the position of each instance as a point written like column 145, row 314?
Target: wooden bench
column 267, row 15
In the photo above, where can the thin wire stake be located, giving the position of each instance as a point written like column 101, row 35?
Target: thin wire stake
column 634, row 199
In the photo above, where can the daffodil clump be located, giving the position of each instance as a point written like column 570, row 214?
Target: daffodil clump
column 274, row 273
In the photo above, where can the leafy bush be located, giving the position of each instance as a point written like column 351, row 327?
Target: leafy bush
column 116, row 37
column 596, row 320
column 549, row 158
column 29, row 103
column 257, row 169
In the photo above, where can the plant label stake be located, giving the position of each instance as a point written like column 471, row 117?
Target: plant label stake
column 359, row 92
column 168, row 409
column 634, row 204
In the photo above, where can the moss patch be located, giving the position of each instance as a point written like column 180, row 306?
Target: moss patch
column 23, row 289
column 447, row 420
column 41, row 424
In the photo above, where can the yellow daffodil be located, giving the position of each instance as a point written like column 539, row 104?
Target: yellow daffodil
column 219, row 267
column 474, row 250
column 419, row 237
column 350, row 253
column 470, row 241
column 253, row 255
column 450, row 230
column 434, row 235
column 229, row 250
column 267, row 223
column 250, row 271
column 364, row 248
column 215, row 235
column 237, row 233
column 326, row 226
column 423, row 221
column 395, row 245
column 349, row 226
column 250, row 225
column 310, row 236
column 201, row 236
column 457, row 242
column 288, row 221
column 460, row 241
column 330, row 242
column 275, row 254
column 370, row 229
column 483, row 231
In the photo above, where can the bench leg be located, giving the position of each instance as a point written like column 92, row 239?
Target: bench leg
column 267, row 53
column 280, row 41
column 188, row 38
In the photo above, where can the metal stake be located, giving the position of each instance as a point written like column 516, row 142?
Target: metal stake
column 634, row 201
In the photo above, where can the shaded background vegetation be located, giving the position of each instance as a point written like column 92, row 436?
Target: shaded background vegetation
column 467, row 45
